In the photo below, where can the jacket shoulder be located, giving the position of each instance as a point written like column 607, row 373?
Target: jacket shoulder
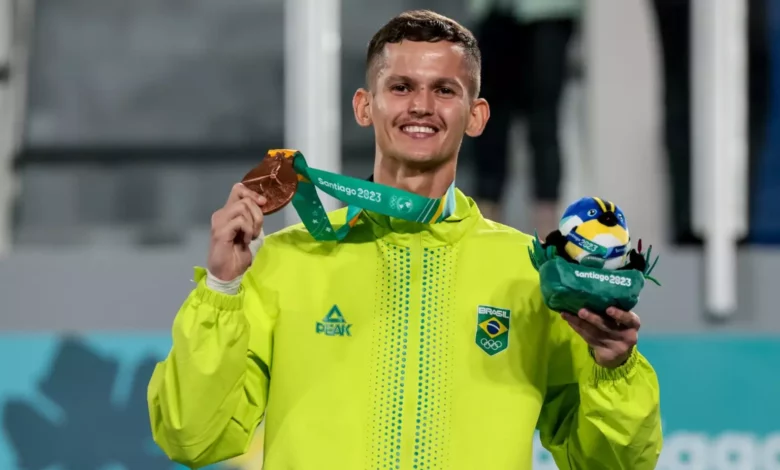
column 503, row 233
column 298, row 235
column 290, row 247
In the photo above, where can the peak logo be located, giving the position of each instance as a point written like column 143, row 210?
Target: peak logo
column 334, row 324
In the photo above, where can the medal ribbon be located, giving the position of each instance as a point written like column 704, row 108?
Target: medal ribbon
column 359, row 195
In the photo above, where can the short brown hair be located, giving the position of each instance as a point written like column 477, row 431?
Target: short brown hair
column 429, row 26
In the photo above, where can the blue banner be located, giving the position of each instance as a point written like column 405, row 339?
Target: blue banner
column 765, row 219
column 72, row 403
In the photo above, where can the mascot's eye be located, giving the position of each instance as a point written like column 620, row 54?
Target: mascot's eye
column 592, row 212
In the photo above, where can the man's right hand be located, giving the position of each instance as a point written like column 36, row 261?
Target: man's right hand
column 233, row 227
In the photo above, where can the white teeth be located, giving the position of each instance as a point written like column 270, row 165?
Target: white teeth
column 419, row 129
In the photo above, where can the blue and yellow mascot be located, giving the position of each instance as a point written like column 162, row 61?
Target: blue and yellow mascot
column 588, row 262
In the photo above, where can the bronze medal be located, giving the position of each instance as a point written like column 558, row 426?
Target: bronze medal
column 275, row 179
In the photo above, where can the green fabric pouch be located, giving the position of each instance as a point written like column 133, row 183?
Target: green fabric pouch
column 568, row 286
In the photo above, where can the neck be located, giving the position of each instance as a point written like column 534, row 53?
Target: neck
column 431, row 182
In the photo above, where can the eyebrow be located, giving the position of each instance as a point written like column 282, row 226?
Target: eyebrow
column 399, row 78
column 448, row 82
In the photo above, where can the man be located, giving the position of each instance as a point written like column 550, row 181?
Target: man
column 444, row 354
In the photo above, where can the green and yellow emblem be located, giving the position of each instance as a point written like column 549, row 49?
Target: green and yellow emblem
column 492, row 329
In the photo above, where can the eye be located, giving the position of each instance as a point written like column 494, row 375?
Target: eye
column 446, row 91
column 592, row 212
column 400, row 87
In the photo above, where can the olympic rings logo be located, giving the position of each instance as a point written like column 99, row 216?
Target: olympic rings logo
column 491, row 344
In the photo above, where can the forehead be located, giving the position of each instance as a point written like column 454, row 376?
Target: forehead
column 424, row 60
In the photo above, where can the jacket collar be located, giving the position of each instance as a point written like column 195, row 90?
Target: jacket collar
column 405, row 233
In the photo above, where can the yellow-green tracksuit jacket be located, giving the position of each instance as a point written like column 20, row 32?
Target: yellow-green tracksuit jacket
column 405, row 346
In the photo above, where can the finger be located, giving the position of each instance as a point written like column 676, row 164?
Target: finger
column 585, row 328
column 239, row 227
column 238, row 208
column 589, row 337
column 257, row 217
column 236, row 228
column 575, row 320
column 626, row 319
column 606, row 325
column 240, row 191
column 253, row 214
column 237, row 192
column 258, row 199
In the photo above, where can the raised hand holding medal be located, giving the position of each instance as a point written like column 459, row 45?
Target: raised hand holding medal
column 234, row 229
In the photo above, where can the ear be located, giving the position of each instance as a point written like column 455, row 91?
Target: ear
column 361, row 106
column 478, row 118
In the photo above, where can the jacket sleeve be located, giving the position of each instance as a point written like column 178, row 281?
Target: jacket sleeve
column 209, row 395
column 597, row 418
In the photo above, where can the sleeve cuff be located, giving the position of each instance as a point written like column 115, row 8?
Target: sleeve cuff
column 209, row 296
column 226, row 287
column 601, row 373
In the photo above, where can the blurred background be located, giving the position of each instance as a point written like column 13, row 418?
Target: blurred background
column 124, row 125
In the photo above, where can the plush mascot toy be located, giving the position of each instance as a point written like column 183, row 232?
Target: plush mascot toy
column 589, row 263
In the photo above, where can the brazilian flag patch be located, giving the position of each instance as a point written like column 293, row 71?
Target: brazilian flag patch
column 492, row 329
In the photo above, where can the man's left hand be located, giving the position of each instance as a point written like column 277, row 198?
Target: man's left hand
column 612, row 338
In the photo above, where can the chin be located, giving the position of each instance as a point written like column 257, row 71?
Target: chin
column 421, row 152
column 421, row 158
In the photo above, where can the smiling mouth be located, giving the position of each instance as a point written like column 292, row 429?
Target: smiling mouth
column 419, row 131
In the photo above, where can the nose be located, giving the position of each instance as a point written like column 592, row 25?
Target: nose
column 421, row 103
column 608, row 218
